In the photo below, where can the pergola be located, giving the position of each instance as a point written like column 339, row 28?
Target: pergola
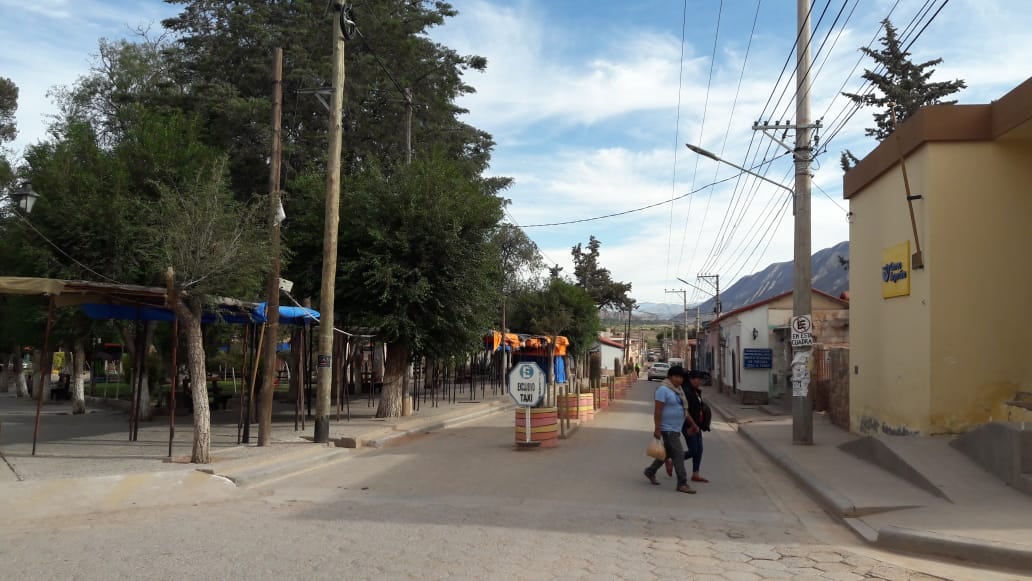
column 135, row 303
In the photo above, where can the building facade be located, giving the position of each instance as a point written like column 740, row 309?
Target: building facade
column 938, row 342
column 748, row 350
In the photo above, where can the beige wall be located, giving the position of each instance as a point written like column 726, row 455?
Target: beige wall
column 982, row 314
column 889, row 338
column 946, row 357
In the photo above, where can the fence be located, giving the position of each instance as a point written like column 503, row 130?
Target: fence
column 831, row 383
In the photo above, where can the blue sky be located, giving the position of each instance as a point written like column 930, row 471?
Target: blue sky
column 582, row 99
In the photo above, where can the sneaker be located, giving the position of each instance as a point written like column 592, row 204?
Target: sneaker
column 669, row 468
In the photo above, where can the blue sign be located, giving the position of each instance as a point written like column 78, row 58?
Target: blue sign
column 757, row 358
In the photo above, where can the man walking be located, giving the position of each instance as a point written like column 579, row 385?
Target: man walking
column 668, row 418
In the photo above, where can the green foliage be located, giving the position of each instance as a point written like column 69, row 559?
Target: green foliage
column 519, row 258
column 416, row 261
column 607, row 293
column 8, row 108
column 559, row 309
column 215, row 243
column 903, row 87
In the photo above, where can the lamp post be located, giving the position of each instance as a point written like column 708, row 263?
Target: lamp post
column 25, row 197
column 802, row 405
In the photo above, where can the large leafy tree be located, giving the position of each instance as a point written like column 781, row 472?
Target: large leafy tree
column 222, row 52
column 596, row 280
column 417, row 262
column 901, row 88
column 561, row 308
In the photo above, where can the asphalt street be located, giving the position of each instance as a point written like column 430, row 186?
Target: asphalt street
column 462, row 503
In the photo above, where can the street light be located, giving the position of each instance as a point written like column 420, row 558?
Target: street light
column 719, row 159
column 25, row 197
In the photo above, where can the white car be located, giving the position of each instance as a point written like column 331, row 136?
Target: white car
column 658, row 371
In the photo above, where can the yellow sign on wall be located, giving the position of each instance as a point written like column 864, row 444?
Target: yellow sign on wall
column 895, row 271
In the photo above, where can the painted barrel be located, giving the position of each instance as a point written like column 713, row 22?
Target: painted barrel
column 576, row 406
column 603, row 398
column 544, row 426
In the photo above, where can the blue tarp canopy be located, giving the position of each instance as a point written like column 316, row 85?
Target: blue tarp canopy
column 288, row 315
column 226, row 314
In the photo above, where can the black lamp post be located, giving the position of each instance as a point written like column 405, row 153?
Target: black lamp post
column 25, row 198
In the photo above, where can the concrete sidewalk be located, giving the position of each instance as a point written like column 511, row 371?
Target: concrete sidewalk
column 907, row 494
column 86, row 463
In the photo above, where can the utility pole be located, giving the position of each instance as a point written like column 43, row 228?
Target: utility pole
column 273, row 287
column 802, row 405
column 717, row 307
column 695, row 360
column 684, row 300
column 802, row 279
column 330, row 226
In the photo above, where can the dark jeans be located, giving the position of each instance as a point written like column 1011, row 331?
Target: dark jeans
column 693, row 449
column 674, row 451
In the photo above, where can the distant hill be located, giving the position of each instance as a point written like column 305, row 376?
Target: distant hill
column 652, row 311
column 829, row 275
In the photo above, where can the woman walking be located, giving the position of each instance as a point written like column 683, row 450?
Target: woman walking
column 701, row 417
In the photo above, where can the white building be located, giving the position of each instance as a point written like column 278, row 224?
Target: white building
column 752, row 358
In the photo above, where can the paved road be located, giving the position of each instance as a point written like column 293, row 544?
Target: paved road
column 463, row 504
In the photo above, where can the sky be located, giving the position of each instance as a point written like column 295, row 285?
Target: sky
column 591, row 103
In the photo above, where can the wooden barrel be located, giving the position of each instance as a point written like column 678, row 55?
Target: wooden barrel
column 544, row 426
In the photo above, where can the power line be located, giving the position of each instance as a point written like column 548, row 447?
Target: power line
column 702, row 132
column 677, row 137
column 65, row 254
column 727, row 134
column 632, row 211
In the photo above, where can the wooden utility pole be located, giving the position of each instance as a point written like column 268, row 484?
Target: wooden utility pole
column 330, row 226
column 802, row 404
column 408, row 125
column 273, row 288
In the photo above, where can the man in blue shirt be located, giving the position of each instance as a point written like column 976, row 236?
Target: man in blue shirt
column 669, row 417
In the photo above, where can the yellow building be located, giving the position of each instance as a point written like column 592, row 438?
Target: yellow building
column 939, row 348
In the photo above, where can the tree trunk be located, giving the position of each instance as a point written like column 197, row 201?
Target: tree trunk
column 190, row 326
column 6, row 375
column 20, row 386
column 146, row 411
column 395, row 365
column 78, row 379
column 42, row 367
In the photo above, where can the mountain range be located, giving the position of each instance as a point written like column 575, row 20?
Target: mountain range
column 830, row 274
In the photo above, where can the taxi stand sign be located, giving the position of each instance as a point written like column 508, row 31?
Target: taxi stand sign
column 526, row 387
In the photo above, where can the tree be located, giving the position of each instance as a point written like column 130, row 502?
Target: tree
column 8, row 126
column 559, row 308
column 598, row 281
column 901, row 88
column 215, row 245
column 417, row 262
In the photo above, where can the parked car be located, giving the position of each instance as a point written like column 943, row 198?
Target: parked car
column 658, row 371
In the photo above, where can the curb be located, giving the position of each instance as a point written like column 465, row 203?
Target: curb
column 832, row 502
column 891, row 537
column 35, row 499
column 375, row 441
column 253, row 473
column 940, row 545
column 727, row 416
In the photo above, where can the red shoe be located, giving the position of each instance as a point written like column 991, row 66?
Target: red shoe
column 699, row 479
column 669, row 468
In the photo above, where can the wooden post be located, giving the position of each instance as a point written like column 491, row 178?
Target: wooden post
column 171, row 300
column 39, row 389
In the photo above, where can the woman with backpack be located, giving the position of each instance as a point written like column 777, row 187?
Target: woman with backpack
column 703, row 416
